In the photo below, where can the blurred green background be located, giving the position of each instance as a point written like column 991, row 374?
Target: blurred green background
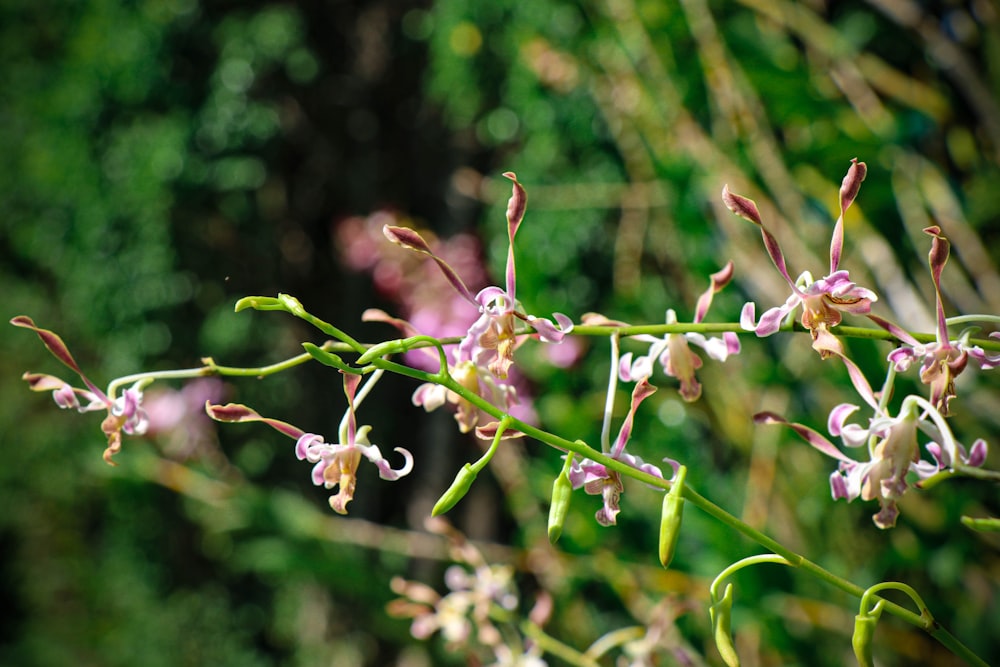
column 163, row 158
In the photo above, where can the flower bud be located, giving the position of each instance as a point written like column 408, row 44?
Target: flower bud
column 562, row 491
column 721, row 615
column 382, row 350
column 259, row 303
column 861, row 640
column 463, row 482
column 324, row 357
column 670, row 518
column 741, row 206
column 292, row 305
column 985, row 524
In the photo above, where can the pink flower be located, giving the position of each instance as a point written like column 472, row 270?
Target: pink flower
column 599, row 480
column 502, row 323
column 943, row 360
column 894, row 452
column 336, row 465
column 672, row 350
column 125, row 413
column 823, row 301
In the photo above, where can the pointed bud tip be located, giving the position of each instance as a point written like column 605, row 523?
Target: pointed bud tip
column 851, row 184
column 406, row 237
column 741, row 206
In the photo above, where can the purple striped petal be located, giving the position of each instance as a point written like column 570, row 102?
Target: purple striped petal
column 411, row 240
column 235, row 412
column 809, row 435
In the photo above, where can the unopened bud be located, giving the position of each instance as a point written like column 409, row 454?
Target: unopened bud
column 562, row 491
column 324, row 357
column 861, row 640
column 259, row 303
column 670, row 518
column 463, row 482
column 382, row 350
column 721, row 615
column 864, row 631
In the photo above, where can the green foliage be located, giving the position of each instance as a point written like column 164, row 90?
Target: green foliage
column 164, row 158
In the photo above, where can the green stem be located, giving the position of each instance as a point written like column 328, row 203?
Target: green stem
column 211, row 368
column 842, row 331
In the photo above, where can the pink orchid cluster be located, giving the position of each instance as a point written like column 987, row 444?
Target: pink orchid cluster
column 481, row 328
column 894, row 463
column 483, row 359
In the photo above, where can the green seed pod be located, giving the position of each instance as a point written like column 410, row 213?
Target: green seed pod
column 670, row 518
column 721, row 615
column 463, row 482
column 562, row 491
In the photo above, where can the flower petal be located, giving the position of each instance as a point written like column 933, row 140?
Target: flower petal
column 411, row 240
column 809, row 435
column 642, row 390
column 385, row 471
column 235, row 412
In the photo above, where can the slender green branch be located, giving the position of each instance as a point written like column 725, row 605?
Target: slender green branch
column 211, row 368
column 842, row 331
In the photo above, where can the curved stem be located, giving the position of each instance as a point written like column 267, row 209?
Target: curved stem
column 739, row 565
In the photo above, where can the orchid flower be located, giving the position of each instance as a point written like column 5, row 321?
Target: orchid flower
column 125, row 412
column 598, row 479
column 495, row 334
column 672, row 350
column 943, row 360
column 335, row 464
column 893, row 451
column 823, row 301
